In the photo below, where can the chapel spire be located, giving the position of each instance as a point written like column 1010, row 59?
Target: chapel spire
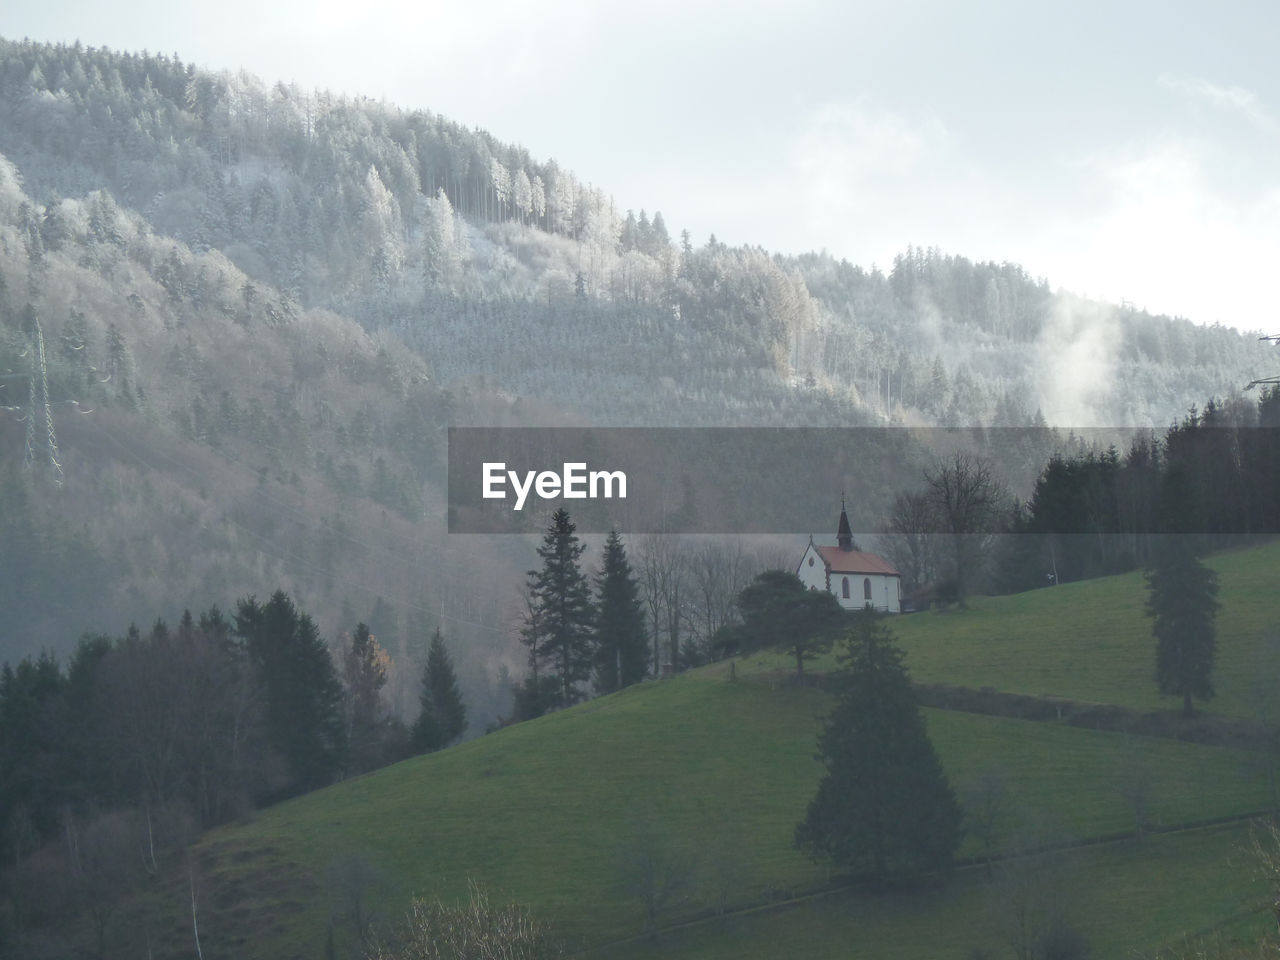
column 844, row 535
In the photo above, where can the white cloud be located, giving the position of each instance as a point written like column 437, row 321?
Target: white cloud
column 1237, row 100
column 865, row 170
column 855, row 141
column 1176, row 234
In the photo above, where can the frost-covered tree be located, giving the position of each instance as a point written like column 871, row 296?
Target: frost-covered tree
column 522, row 194
column 441, row 260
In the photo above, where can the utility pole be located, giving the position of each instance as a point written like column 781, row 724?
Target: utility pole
column 50, row 436
column 39, row 408
column 1265, row 380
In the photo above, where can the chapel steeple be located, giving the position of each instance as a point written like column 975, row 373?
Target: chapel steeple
column 844, row 535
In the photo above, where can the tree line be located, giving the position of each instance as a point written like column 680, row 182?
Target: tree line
column 670, row 608
column 576, row 638
column 1214, row 474
column 143, row 740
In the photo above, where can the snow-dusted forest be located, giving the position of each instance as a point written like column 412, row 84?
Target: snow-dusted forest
column 262, row 306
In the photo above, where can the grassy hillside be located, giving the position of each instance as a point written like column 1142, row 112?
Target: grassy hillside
column 1091, row 640
column 1136, row 903
column 714, row 770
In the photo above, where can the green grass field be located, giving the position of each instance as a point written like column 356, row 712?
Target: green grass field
column 717, row 771
column 1127, row 902
column 1091, row 640
column 546, row 812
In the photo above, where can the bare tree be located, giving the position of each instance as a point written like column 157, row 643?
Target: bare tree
column 985, row 799
column 966, row 498
column 180, row 719
column 654, row 872
column 718, row 570
column 1136, row 782
column 1032, row 896
column 1264, row 846
column 663, row 568
column 102, row 867
column 770, row 556
column 356, row 884
column 475, row 930
column 911, row 540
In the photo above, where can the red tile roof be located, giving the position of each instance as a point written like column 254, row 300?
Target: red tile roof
column 852, row 561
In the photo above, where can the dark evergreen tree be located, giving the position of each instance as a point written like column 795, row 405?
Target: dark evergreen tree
column 622, row 645
column 884, row 808
column 31, row 791
column 442, row 718
column 778, row 611
column 1182, row 602
column 560, row 628
column 533, row 697
column 300, row 686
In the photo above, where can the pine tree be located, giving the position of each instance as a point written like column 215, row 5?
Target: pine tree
column 884, row 808
column 561, row 623
column 622, row 646
column 1182, row 602
column 443, row 716
column 442, row 262
column 301, row 688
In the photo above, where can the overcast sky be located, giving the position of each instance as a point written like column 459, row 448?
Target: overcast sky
column 1126, row 155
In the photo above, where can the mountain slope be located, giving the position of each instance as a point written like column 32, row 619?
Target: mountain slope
column 716, row 766
column 274, row 301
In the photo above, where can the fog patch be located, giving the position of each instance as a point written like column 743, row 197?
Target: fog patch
column 1076, row 362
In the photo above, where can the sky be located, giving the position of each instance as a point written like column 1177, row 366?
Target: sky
column 1129, row 152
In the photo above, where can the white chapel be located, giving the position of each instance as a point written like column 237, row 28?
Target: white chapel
column 855, row 578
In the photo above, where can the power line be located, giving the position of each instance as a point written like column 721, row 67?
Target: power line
column 38, row 403
column 1264, row 380
column 58, row 475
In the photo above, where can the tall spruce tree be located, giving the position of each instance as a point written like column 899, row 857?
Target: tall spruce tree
column 884, row 808
column 442, row 718
column 1182, row 602
column 560, row 628
column 300, row 686
column 622, row 646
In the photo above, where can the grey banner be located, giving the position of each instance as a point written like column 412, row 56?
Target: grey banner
column 755, row 480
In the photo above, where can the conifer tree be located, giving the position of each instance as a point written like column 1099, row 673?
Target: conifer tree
column 443, row 716
column 300, row 686
column 1182, row 602
column 884, row 808
column 560, row 627
column 779, row 611
column 622, row 646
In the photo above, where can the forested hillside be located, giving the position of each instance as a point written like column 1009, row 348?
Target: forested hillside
column 261, row 305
